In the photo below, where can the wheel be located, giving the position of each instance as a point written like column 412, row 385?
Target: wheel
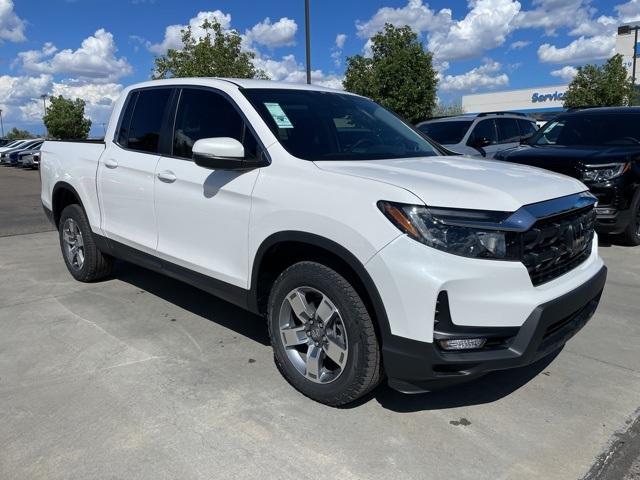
column 323, row 338
column 631, row 236
column 81, row 255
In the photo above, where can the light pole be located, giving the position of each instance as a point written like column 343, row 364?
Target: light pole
column 308, row 39
column 44, row 104
column 1, row 124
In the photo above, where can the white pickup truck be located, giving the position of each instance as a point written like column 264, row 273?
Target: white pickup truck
column 371, row 252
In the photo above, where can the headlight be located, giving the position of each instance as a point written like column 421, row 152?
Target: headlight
column 600, row 173
column 430, row 227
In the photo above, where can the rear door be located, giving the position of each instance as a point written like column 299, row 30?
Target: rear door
column 126, row 174
column 203, row 214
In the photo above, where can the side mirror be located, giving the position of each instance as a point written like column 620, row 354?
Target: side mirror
column 525, row 140
column 223, row 153
column 481, row 142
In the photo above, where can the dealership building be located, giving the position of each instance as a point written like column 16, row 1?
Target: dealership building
column 539, row 102
column 545, row 102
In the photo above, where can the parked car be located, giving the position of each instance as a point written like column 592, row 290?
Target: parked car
column 370, row 252
column 30, row 160
column 479, row 135
column 4, row 141
column 12, row 144
column 601, row 147
column 9, row 156
column 14, row 156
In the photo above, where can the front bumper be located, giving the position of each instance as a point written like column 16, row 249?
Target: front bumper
column 614, row 205
column 413, row 366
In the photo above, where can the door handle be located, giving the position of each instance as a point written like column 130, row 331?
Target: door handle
column 167, row 176
column 110, row 163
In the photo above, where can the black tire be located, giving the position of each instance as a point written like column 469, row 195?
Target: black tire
column 361, row 372
column 631, row 235
column 96, row 265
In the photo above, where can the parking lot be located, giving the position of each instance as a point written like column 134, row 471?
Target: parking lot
column 142, row 377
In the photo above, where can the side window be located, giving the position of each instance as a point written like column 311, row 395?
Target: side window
column 527, row 127
column 508, row 131
column 206, row 114
column 146, row 121
column 483, row 129
column 125, row 121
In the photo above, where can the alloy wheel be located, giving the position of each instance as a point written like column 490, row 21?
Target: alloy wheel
column 73, row 243
column 313, row 335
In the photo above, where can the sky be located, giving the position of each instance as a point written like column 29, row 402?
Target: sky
column 91, row 49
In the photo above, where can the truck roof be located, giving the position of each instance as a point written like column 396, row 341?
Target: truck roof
column 239, row 82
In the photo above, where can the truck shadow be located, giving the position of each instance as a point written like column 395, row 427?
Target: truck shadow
column 487, row 389
column 195, row 301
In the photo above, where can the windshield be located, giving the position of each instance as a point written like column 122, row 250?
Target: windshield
column 447, row 132
column 590, row 130
column 316, row 125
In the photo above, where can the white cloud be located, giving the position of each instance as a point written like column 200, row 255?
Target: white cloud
column 486, row 76
column 485, row 27
column 519, row 44
column 418, row 16
column 565, row 73
column 581, row 50
column 24, row 105
column 11, row 26
column 289, row 70
column 173, row 33
column 272, row 35
column 602, row 25
column 94, row 61
column 551, row 15
column 336, row 51
column 14, row 90
column 629, row 12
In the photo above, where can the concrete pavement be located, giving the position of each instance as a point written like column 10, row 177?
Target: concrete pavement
column 142, row 377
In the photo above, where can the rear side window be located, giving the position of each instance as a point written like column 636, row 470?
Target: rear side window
column 527, row 127
column 483, row 129
column 508, row 131
column 125, row 121
column 446, row 132
column 146, row 120
column 207, row 114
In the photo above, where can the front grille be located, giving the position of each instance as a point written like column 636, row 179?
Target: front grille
column 555, row 245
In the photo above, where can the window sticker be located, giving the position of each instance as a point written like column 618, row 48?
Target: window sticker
column 278, row 115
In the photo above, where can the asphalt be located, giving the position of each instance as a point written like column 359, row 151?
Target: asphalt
column 142, row 377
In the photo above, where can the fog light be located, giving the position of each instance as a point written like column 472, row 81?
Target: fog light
column 462, row 343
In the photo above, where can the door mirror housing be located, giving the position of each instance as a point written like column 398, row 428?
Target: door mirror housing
column 481, row 142
column 221, row 153
column 525, row 140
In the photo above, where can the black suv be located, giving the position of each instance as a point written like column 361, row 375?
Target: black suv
column 601, row 147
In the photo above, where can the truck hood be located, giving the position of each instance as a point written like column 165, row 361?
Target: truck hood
column 462, row 182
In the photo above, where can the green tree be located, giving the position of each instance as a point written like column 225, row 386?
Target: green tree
column 16, row 133
column 65, row 119
column 608, row 85
column 217, row 54
column 448, row 110
column 399, row 75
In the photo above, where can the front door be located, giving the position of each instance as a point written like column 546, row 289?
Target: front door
column 202, row 214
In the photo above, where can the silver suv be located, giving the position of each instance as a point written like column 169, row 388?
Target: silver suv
column 483, row 134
